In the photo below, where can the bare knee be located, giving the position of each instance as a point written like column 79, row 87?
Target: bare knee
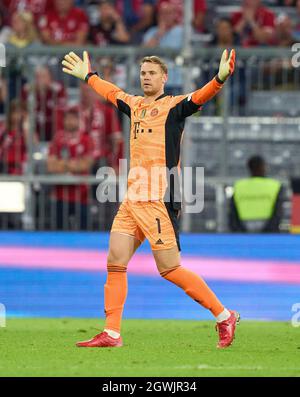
column 121, row 249
column 167, row 260
column 165, row 271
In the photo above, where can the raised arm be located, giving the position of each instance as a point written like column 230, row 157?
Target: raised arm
column 187, row 105
column 81, row 68
column 226, row 68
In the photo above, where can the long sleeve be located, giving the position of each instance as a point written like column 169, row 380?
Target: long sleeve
column 207, row 92
column 104, row 88
column 123, row 101
column 188, row 104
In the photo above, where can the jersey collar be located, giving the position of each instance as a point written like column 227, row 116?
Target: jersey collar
column 142, row 105
column 160, row 97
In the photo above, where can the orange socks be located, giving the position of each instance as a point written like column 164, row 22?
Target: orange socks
column 115, row 293
column 196, row 288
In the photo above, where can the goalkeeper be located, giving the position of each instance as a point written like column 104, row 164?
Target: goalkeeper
column 150, row 209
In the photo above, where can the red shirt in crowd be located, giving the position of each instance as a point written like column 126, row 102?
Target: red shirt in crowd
column 102, row 124
column 65, row 29
column 12, row 152
column 264, row 18
column 49, row 109
column 76, row 147
column 36, row 7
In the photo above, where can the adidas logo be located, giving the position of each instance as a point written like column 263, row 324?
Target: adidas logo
column 159, row 241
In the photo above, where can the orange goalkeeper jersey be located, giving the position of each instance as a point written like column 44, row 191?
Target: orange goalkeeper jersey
column 155, row 137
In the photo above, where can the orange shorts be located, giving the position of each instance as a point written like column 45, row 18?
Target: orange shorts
column 154, row 220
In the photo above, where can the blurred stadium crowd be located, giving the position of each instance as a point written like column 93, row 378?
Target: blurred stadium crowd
column 79, row 133
column 148, row 22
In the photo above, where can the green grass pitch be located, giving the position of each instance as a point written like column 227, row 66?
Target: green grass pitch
column 46, row 347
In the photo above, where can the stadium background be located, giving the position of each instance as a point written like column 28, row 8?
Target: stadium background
column 50, row 273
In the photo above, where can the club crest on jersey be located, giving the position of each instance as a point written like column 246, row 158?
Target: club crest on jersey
column 154, row 112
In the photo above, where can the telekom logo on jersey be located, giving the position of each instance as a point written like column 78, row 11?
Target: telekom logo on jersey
column 137, row 130
column 155, row 183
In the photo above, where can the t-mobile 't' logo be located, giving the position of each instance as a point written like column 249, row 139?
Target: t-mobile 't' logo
column 2, row 315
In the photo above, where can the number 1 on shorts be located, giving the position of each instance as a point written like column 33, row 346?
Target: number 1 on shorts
column 158, row 225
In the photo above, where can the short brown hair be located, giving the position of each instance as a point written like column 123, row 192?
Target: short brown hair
column 157, row 61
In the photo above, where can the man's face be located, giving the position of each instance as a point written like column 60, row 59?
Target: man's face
column 285, row 26
column 224, row 30
column 18, row 24
column 43, row 78
column 64, row 5
column 71, row 122
column 16, row 118
column 252, row 3
column 152, row 78
column 167, row 15
column 106, row 11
